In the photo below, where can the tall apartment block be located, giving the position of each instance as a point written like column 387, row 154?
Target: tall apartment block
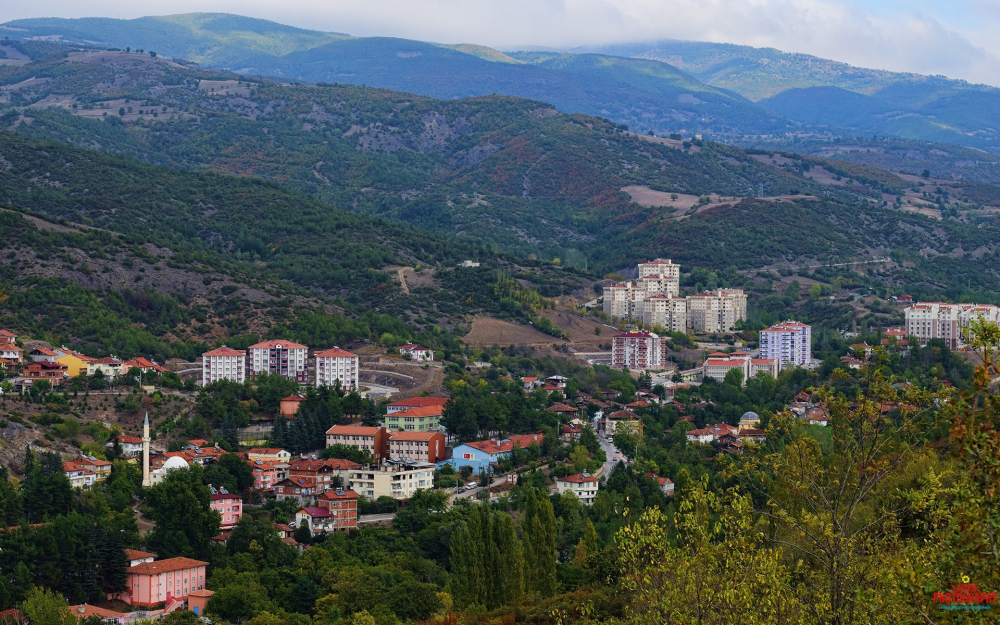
column 657, row 277
column 665, row 311
column 937, row 320
column 223, row 364
column 637, row 350
column 716, row 311
column 337, row 364
column 285, row 358
column 790, row 343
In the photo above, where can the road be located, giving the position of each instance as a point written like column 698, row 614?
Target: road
column 375, row 518
column 610, row 452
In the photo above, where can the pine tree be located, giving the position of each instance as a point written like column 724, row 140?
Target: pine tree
column 539, row 531
column 279, row 431
column 487, row 565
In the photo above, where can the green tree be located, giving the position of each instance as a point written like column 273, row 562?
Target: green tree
column 46, row 491
column 185, row 522
column 486, row 561
column 45, row 607
column 538, row 528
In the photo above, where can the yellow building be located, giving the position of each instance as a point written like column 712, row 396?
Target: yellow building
column 76, row 363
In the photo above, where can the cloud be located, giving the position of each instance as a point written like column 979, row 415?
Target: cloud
column 890, row 35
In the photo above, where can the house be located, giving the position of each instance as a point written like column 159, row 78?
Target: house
column 101, row 468
column 616, row 419
column 480, row 455
column 415, row 352
column 530, row 383
column 337, row 365
column 297, row 489
column 267, row 473
column 223, row 364
column 666, row 486
column 417, row 419
column 136, row 558
column 318, row 520
column 131, row 446
column 753, row 434
column 198, row 600
column 6, row 336
column 13, row 616
column 711, row 433
column 717, row 365
column 11, row 354
column 54, row 372
column 569, row 433
column 323, row 474
column 85, row 611
column 415, row 402
column 562, row 409
column 396, row 479
column 285, row 358
column 78, row 476
column 583, row 485
column 144, row 365
column 228, row 505
column 417, row 446
column 76, row 363
column 342, row 505
column 40, row 354
column 163, row 581
column 374, row 440
column 269, row 453
column 700, row 436
column 288, row 407
column 557, row 381
column 109, row 367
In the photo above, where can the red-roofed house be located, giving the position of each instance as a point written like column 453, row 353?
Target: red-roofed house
column 143, row 364
column 288, row 407
column 418, row 353
column 418, row 419
column 109, row 367
column 6, row 336
column 11, row 354
column 136, row 557
column 131, row 445
column 41, row 353
column 54, row 372
column 85, row 611
column 223, row 364
column 337, row 364
column 416, row 402
column 342, row 504
column 323, row 520
column 583, row 485
column 418, row 446
column 228, row 505
column 323, row 474
column 479, row 455
column 279, row 357
column 372, row 439
column 275, row 454
column 163, row 581
column 569, row 433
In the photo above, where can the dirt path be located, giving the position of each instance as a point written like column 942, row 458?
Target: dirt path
column 401, row 274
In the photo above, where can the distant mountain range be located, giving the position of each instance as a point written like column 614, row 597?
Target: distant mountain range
column 726, row 92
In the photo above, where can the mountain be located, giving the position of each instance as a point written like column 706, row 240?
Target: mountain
column 814, row 91
column 512, row 176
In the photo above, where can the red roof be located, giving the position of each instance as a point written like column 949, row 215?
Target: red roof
column 333, row 495
column 507, row 444
column 131, row 440
column 85, row 611
column 724, row 363
column 634, row 335
column 133, row 554
column 107, row 361
column 225, row 351
column 420, row 411
column 580, row 478
column 420, row 402
column 353, row 430
column 560, row 408
column 414, row 347
column 165, row 566
column 413, row 436
column 10, row 347
column 292, row 398
column 335, row 352
column 315, row 512
column 265, row 450
column 275, row 343
column 43, row 351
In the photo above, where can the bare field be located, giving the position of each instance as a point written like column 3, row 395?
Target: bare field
column 224, row 87
column 644, row 196
column 677, row 144
column 487, row 331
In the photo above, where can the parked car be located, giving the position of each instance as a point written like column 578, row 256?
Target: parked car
column 460, row 490
column 472, row 484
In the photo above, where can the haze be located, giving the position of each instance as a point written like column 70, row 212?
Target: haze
column 928, row 37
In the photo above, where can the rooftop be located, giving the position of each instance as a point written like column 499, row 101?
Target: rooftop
column 165, row 566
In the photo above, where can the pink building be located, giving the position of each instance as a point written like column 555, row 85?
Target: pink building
column 285, row 358
column 164, row 581
column 229, row 507
column 637, row 350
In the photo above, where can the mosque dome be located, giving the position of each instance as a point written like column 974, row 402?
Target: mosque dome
column 749, row 416
column 175, row 462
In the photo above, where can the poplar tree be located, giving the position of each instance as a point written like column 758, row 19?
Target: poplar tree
column 539, row 531
column 486, row 561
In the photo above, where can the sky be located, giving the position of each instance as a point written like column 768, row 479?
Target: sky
column 954, row 38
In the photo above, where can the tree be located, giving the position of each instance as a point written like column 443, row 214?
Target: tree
column 486, row 561
column 185, row 522
column 46, row 491
column 539, row 531
column 230, row 433
column 45, row 607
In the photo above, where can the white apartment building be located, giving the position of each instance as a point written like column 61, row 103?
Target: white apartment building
column 637, row 351
column 790, row 343
column 937, row 320
column 719, row 364
column 665, row 311
column 285, row 358
column 583, row 485
column 716, row 311
column 223, row 364
column 337, row 364
column 660, row 267
column 657, row 277
column 399, row 480
column 619, row 299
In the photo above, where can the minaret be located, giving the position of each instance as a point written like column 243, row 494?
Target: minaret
column 145, row 452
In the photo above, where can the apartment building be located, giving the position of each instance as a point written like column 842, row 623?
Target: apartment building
column 320, row 474
column 419, row 419
column 618, row 300
column 716, row 311
column 661, row 267
column 342, row 505
column 417, row 446
column 399, row 480
column 337, row 364
column 415, row 402
column 665, row 311
column 285, row 358
column 790, row 343
column 926, row 321
column 717, row 365
column 583, row 485
column 374, row 440
column 223, row 364
column 637, row 351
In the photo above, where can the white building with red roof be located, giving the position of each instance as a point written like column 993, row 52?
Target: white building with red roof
column 280, row 357
column 789, row 342
column 374, row 440
column 224, row 363
column 927, row 321
column 337, row 364
column 716, row 311
column 11, row 353
column 418, row 353
column 583, row 485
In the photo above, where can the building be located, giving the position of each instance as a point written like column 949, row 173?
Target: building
column 417, row 446
column 42, row 354
column 418, row 353
column 399, row 480
column 7, row 337
column 164, row 581
column 769, row 366
column 583, row 485
column 621, row 422
column 322, row 520
column 790, row 343
column 419, row 419
column 716, row 311
column 53, row 372
column 637, row 351
column 335, row 364
column 267, row 473
column 76, row 363
column 228, row 505
column 665, row 311
column 79, row 476
column 298, row 489
column 481, row 455
column 136, row 557
column 11, row 354
column 927, row 321
column 343, row 507
column 198, row 601
column 323, row 474
column 711, row 433
column 85, row 612
column 144, row 365
column 269, row 454
column 719, row 364
column 223, row 364
column 131, row 446
column 662, row 267
column 288, row 407
column 619, row 300
column 418, row 402
column 285, row 358
column 657, row 278
column 374, row 440
column 109, row 367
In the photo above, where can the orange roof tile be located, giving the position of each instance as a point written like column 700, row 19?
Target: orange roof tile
column 165, row 566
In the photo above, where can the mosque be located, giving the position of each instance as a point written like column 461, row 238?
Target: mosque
column 153, row 478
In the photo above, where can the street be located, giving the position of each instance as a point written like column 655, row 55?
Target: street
column 610, row 452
